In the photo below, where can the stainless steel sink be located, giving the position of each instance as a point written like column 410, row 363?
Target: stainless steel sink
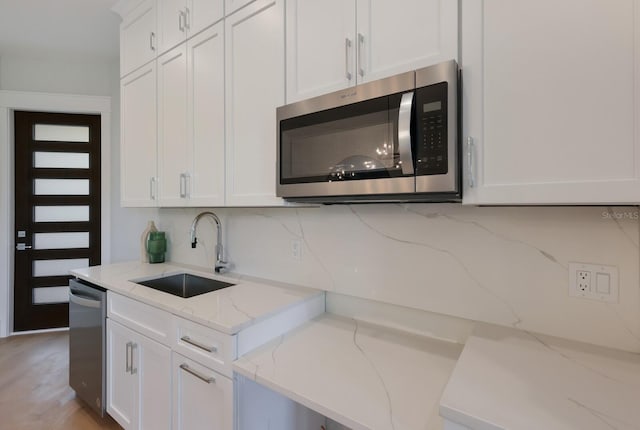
column 184, row 284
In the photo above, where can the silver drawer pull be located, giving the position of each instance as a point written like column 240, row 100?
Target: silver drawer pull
column 207, row 379
column 198, row 344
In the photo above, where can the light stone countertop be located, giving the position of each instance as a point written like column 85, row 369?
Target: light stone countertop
column 508, row 379
column 228, row 310
column 360, row 375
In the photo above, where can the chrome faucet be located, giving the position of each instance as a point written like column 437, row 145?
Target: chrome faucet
column 221, row 266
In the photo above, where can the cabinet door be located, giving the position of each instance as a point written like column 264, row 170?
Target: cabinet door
column 320, row 47
column 552, row 108
column 404, row 35
column 121, row 385
column 230, row 6
column 152, row 364
column 138, row 137
column 173, row 153
column 205, row 113
column 203, row 13
column 137, row 37
column 172, row 23
column 254, row 88
column 203, row 399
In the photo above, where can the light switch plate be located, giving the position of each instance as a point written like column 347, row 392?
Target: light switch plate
column 593, row 281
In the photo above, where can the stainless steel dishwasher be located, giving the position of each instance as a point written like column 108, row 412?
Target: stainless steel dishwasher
column 87, row 343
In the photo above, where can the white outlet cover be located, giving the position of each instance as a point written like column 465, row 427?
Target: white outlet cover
column 592, row 293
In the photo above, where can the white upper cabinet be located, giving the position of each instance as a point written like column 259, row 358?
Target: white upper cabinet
column 254, row 38
column 320, row 47
column 191, row 122
column 138, row 137
column 398, row 36
column 230, row 6
column 551, row 101
column 205, row 117
column 181, row 19
column 334, row 44
column 173, row 155
column 138, row 37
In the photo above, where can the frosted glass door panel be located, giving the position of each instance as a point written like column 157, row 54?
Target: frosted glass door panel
column 58, row 267
column 46, row 295
column 61, row 160
column 61, row 213
column 61, row 133
column 61, row 240
column 61, row 187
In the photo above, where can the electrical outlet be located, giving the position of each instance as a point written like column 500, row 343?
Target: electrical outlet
column 296, row 249
column 583, row 280
column 593, row 281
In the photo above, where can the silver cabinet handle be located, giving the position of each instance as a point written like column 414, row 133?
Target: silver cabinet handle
column 23, row 246
column 187, row 185
column 360, row 50
column 133, row 369
column 127, row 367
column 404, row 134
column 470, row 172
column 181, row 19
column 152, row 188
column 207, row 379
column 197, row 344
column 347, row 50
column 183, row 185
column 152, row 41
column 187, row 18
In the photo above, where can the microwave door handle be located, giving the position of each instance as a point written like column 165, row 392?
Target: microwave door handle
column 404, row 134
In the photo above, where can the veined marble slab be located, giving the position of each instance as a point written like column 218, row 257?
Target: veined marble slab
column 510, row 379
column 360, row 375
column 228, row 310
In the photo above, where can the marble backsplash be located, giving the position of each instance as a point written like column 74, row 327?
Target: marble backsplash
column 507, row 266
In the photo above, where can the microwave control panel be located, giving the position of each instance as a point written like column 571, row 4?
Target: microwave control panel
column 431, row 130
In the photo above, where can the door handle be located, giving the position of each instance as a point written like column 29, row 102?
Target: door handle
column 23, row 246
column 360, row 50
column 404, row 134
column 347, row 50
column 207, row 379
column 181, row 19
column 133, row 370
column 197, row 344
column 127, row 367
column 82, row 301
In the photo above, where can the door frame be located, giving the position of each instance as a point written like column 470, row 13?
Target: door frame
column 44, row 102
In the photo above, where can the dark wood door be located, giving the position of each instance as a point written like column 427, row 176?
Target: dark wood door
column 57, row 212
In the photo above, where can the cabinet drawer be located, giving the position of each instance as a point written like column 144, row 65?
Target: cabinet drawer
column 204, row 345
column 144, row 319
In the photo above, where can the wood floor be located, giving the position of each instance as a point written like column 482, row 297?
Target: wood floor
column 34, row 386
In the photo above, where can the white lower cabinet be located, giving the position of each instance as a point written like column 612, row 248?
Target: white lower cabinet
column 166, row 372
column 138, row 379
column 202, row 398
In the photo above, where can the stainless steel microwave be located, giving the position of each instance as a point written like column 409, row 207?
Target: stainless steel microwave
column 395, row 139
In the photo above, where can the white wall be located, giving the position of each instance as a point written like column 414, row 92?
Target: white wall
column 507, row 266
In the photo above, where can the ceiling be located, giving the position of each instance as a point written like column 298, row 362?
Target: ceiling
column 59, row 28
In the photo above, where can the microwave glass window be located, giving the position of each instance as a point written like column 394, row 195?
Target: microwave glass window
column 349, row 143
